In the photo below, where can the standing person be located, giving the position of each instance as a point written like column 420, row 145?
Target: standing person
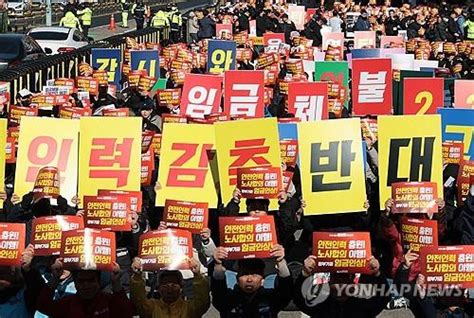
column 70, row 7
column 206, row 26
column 138, row 11
column 176, row 21
column 335, row 22
column 86, row 18
column 469, row 24
column 193, row 27
column 160, row 20
column 287, row 27
column 362, row 23
column 125, row 8
column 70, row 21
column 392, row 24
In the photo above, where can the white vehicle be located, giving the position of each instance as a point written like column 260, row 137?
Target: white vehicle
column 18, row 7
column 59, row 39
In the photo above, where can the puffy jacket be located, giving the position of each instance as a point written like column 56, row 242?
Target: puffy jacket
column 157, row 308
column 70, row 21
column 160, row 20
column 206, row 28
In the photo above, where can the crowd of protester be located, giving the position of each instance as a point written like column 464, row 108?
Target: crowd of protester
column 252, row 287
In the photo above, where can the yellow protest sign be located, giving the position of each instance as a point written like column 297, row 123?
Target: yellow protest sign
column 47, row 142
column 184, row 170
column 410, row 150
column 109, row 154
column 332, row 166
column 245, row 143
column 3, row 141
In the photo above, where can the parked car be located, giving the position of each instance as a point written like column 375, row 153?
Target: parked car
column 59, row 39
column 17, row 48
column 18, row 7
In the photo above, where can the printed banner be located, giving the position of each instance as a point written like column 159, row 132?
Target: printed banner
column 46, row 183
column 334, row 39
column 414, row 197
column 201, row 95
column 167, row 249
column 47, row 232
column 465, row 180
column 369, row 128
column 147, row 167
column 12, row 236
column 308, row 101
column 259, row 183
column 332, row 166
column 109, row 154
column 243, row 94
column 464, row 94
column 88, row 84
column 334, row 72
column 343, row 252
column 184, row 170
column 248, row 148
column 108, row 60
column 135, row 197
column 417, row 233
column 422, row 95
column 411, row 154
column 273, row 40
column 220, row 56
column 88, row 249
column 169, row 97
column 453, row 152
column 148, row 60
column 458, row 125
column 17, row 112
column 107, row 213
column 289, row 151
column 74, row 112
column 372, row 86
column 364, row 40
column 224, row 31
column 191, row 216
column 47, row 142
column 448, row 265
column 247, row 237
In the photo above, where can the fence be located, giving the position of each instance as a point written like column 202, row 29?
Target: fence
column 32, row 75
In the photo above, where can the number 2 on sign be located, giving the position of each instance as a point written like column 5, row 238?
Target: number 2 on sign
column 222, row 61
column 151, row 71
column 109, row 65
column 425, row 97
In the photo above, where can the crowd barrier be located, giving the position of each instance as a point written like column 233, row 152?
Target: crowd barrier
column 32, row 75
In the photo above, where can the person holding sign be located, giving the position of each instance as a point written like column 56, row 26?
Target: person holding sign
column 89, row 299
column 20, row 287
column 249, row 298
column 170, row 287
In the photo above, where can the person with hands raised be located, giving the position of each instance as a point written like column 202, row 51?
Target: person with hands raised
column 89, row 301
column 20, row 287
column 249, row 298
column 170, row 287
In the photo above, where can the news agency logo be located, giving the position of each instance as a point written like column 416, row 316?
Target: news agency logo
column 314, row 293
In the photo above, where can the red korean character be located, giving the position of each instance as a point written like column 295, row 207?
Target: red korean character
column 245, row 151
column 189, row 177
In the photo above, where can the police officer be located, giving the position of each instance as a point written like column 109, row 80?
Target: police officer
column 160, row 20
column 176, row 22
column 70, row 21
column 138, row 11
column 86, row 17
column 125, row 8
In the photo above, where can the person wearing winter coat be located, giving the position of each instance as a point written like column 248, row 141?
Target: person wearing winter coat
column 207, row 26
column 362, row 23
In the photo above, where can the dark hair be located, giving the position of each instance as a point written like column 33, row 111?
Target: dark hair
column 251, row 266
column 171, row 274
column 257, row 204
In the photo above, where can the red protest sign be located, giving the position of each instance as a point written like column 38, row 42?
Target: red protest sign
column 273, row 40
column 259, row 182
column 289, row 151
column 464, row 181
column 464, row 94
column 453, row 152
column 69, row 82
column 414, row 197
column 247, row 237
column 16, row 112
column 191, row 216
column 174, row 118
column 201, row 95
column 243, row 93
column 47, row 232
column 74, row 112
column 369, row 128
column 147, row 139
column 422, row 95
column 372, row 86
column 147, row 167
column 10, row 150
column 169, row 97
column 343, row 252
column 88, row 249
column 224, row 31
column 12, row 243
column 417, row 233
column 136, row 197
column 287, row 177
column 46, row 183
column 88, row 84
column 119, row 112
column 308, row 101
column 107, row 212
column 156, row 144
column 168, row 249
column 288, row 120
column 448, row 265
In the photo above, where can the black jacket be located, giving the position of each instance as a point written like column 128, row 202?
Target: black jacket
column 265, row 303
column 467, row 216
